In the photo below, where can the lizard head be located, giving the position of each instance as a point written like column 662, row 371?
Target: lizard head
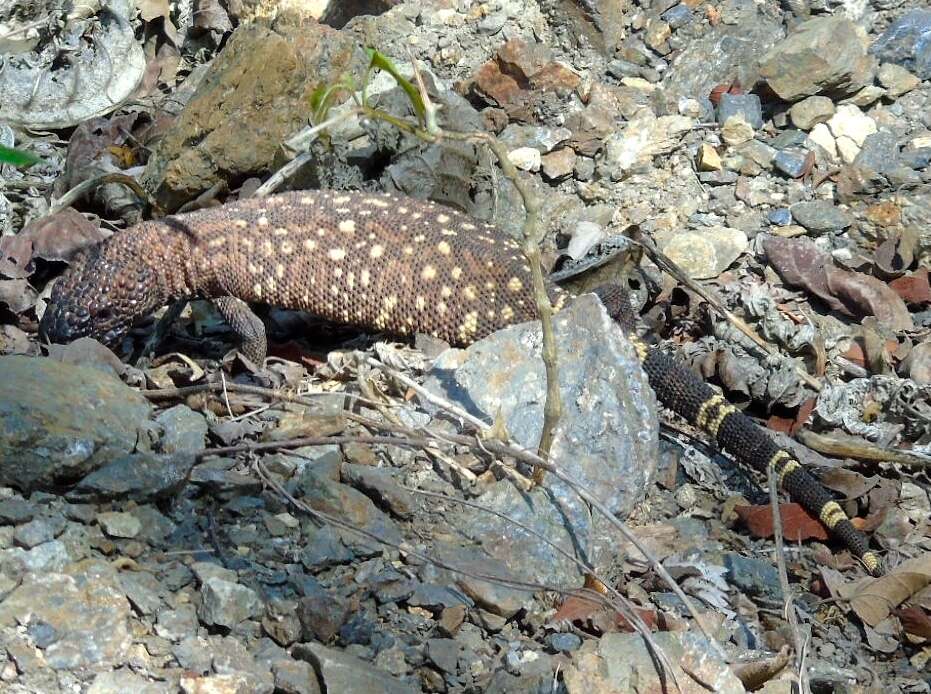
column 103, row 293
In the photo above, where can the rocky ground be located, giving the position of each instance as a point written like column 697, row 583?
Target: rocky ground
column 181, row 520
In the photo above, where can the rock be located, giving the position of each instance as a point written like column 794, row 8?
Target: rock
column 254, row 95
column 185, row 430
column 444, row 653
column 644, row 137
column 525, row 158
column 807, row 113
column 226, row 604
column 564, row 642
column 622, row 663
column 824, row 55
column 907, row 42
column 850, row 128
column 753, row 576
column 15, row 510
column 379, row 485
column 137, row 476
column 118, row 524
column 559, row 165
column 705, row 252
column 497, row 599
column 879, row 153
column 38, row 531
column 780, row 217
column 49, row 556
column 677, row 16
column 745, row 105
column 736, row 130
column 759, row 153
column 821, row 136
column 722, row 53
column 142, row 589
column 125, row 680
column 896, row 79
column 708, row 158
column 820, row 216
column 605, row 434
column 791, row 162
column 295, row 677
column 86, row 610
column 59, row 422
column 341, row 672
column 321, row 613
column 541, row 138
column 656, row 35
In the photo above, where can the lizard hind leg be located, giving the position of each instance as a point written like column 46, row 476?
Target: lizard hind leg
column 249, row 328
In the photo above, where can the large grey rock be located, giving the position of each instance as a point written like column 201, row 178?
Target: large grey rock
column 820, row 216
column 606, row 439
column 622, row 662
column 823, row 55
column 342, row 672
column 723, row 53
column 86, row 610
column 907, row 42
column 58, row 422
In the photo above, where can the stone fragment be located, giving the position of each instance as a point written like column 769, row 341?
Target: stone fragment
column 85, row 608
column 791, row 162
column 850, row 128
column 342, row 672
column 705, row 252
column 907, row 42
column 708, row 158
column 824, row 55
column 643, row 138
column 226, row 604
column 807, row 113
column 185, row 430
column 821, row 136
column 896, row 79
column 746, row 105
column 59, row 422
column 622, row 663
column 119, row 524
column 820, row 216
column 736, row 130
column 559, row 165
column 526, row 158
column 879, row 153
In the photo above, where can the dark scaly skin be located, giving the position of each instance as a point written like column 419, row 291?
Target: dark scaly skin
column 382, row 262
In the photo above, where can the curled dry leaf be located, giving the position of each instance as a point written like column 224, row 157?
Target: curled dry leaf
column 55, row 237
column 593, row 615
column 756, row 673
column 802, row 264
column 875, row 600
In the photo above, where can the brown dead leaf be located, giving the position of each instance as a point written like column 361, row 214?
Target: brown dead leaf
column 850, row 483
column 915, row 621
column 797, row 524
column 790, row 425
column 876, row 600
column 756, row 673
column 597, row 617
column 802, row 264
column 865, row 295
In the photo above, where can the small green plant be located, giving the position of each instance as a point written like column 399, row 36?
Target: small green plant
column 17, row 157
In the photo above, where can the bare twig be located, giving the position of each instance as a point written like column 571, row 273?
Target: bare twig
column 83, row 187
column 788, row 606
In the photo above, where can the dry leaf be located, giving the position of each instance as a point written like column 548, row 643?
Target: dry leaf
column 596, row 616
column 797, row 524
column 876, row 600
column 915, row 621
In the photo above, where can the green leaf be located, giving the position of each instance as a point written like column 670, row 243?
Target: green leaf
column 381, row 61
column 17, row 157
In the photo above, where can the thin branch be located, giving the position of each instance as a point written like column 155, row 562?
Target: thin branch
column 788, row 609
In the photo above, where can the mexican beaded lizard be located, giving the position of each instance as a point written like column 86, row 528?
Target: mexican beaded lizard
column 382, row 262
